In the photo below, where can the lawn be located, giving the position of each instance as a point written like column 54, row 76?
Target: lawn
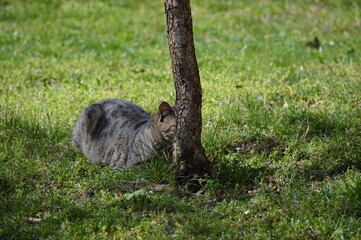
column 281, row 120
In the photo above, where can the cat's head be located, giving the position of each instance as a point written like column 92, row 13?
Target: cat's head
column 165, row 121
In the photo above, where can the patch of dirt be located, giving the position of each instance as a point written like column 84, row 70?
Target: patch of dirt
column 264, row 144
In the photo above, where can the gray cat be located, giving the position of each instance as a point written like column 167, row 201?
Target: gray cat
column 120, row 133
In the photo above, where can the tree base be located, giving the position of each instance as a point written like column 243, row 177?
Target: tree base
column 192, row 170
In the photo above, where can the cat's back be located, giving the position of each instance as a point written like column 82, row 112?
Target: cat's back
column 106, row 119
column 119, row 109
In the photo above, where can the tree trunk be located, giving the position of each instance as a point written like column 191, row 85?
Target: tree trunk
column 188, row 150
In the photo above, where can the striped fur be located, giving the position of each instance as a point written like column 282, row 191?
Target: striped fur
column 120, row 133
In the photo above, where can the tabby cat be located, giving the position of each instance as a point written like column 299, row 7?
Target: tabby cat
column 121, row 134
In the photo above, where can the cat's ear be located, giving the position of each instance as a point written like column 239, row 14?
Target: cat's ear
column 165, row 109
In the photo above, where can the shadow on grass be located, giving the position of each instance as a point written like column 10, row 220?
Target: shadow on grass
column 328, row 144
column 26, row 146
column 312, row 124
column 31, row 138
column 335, row 159
column 5, row 187
column 319, row 144
column 234, row 175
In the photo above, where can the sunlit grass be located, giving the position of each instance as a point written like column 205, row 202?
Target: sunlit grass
column 281, row 121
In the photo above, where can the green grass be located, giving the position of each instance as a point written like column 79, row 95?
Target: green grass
column 281, row 121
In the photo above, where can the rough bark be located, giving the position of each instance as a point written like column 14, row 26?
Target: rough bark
column 188, row 150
